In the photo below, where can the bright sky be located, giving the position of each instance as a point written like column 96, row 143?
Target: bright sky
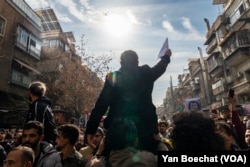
column 112, row 26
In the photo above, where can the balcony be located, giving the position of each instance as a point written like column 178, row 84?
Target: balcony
column 26, row 10
column 236, row 47
column 215, row 67
column 242, row 88
column 221, row 20
column 218, row 90
column 218, row 87
column 212, row 45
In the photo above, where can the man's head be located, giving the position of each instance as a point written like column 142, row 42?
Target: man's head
column 37, row 88
column 247, row 137
column 98, row 136
column 194, row 131
column 162, row 125
column 2, row 134
column 18, row 138
column 68, row 134
column 80, row 142
column 20, row 156
column 129, row 59
column 245, row 119
column 33, row 133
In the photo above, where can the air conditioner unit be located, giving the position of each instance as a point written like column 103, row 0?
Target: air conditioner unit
column 238, row 74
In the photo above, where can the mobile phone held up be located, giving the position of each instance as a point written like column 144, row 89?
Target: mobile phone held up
column 231, row 93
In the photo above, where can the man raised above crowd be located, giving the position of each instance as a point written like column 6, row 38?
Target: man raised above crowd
column 128, row 93
column 40, row 110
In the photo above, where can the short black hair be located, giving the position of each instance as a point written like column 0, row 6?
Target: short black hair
column 129, row 58
column 70, row 131
column 34, row 125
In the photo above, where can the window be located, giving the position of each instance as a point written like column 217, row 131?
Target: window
column 45, row 43
column 2, row 26
column 28, row 42
column 22, row 38
column 221, row 33
column 34, row 45
column 20, row 78
column 53, row 43
column 237, row 13
column 62, row 45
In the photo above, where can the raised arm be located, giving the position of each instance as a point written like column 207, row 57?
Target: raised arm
column 238, row 125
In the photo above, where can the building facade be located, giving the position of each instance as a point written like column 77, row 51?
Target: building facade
column 33, row 46
column 20, row 51
column 227, row 64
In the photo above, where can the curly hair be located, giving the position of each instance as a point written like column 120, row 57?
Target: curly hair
column 193, row 131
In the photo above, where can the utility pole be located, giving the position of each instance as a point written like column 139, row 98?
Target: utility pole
column 172, row 94
column 205, row 79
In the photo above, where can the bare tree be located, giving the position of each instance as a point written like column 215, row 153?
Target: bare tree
column 74, row 81
column 97, row 64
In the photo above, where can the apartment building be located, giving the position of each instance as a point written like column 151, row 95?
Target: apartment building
column 227, row 64
column 20, row 51
column 228, row 44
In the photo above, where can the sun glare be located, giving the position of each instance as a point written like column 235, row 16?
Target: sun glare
column 117, row 26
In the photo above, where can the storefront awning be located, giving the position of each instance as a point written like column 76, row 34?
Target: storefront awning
column 27, row 66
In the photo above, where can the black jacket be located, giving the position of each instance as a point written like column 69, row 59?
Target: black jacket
column 40, row 110
column 129, row 95
column 74, row 159
column 48, row 156
column 2, row 155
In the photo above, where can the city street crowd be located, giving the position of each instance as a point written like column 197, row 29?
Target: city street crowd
column 130, row 134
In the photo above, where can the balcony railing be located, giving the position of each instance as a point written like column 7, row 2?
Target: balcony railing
column 218, row 87
column 215, row 63
column 211, row 45
column 239, row 39
column 27, row 10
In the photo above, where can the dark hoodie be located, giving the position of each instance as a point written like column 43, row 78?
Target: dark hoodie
column 48, row 156
column 40, row 110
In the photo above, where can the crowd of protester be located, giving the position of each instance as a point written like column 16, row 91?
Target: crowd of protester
column 129, row 136
column 188, row 131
